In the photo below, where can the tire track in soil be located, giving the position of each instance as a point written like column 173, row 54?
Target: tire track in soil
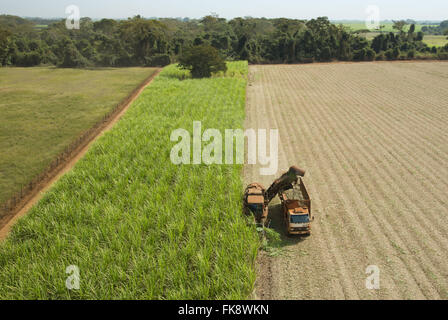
column 434, row 244
column 336, row 120
column 334, row 184
column 396, row 178
column 407, row 200
column 333, row 257
column 346, row 283
column 341, row 134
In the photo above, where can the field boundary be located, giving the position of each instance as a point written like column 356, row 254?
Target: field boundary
column 19, row 204
column 429, row 60
column 353, row 128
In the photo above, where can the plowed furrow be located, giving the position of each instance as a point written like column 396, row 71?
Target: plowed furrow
column 372, row 138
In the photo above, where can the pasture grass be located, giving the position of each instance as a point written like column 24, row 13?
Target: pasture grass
column 435, row 40
column 42, row 110
column 388, row 26
column 136, row 225
column 430, row 40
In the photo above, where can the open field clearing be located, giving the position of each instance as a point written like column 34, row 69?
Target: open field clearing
column 136, row 225
column 372, row 137
column 42, row 110
column 438, row 41
column 430, row 40
column 388, row 26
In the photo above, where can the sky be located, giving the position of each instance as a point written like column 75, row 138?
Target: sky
column 306, row 9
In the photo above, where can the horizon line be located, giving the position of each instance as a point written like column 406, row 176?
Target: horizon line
column 247, row 16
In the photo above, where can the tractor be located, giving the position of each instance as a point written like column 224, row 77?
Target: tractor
column 296, row 203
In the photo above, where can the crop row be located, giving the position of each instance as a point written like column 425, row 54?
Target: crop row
column 136, row 225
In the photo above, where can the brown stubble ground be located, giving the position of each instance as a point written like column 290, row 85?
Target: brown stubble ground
column 372, row 137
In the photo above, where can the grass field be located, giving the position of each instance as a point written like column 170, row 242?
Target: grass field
column 430, row 40
column 438, row 41
column 372, row 137
column 44, row 109
column 136, row 225
column 388, row 26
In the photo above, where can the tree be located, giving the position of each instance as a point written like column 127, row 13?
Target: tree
column 360, row 55
column 28, row 59
column 444, row 25
column 325, row 54
column 144, row 38
column 202, row 61
column 392, row 54
column 399, row 25
column 106, row 26
column 4, row 46
column 141, row 42
column 71, row 56
column 411, row 34
column 370, row 54
column 420, row 36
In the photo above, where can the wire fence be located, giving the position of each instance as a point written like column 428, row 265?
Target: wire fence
column 51, row 170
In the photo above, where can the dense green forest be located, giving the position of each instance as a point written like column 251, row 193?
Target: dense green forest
column 442, row 29
column 142, row 42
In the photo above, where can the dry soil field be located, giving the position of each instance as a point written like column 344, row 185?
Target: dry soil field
column 373, row 139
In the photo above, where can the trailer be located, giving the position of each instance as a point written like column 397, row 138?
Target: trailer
column 296, row 208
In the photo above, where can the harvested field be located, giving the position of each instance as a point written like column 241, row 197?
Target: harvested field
column 372, row 137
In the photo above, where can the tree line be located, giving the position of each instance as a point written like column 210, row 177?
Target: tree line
column 441, row 29
column 150, row 42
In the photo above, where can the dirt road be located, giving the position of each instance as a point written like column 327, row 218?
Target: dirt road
column 373, row 139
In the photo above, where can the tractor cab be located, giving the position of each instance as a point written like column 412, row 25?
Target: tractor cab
column 297, row 209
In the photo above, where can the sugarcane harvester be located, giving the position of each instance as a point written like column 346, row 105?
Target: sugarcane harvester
column 296, row 203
